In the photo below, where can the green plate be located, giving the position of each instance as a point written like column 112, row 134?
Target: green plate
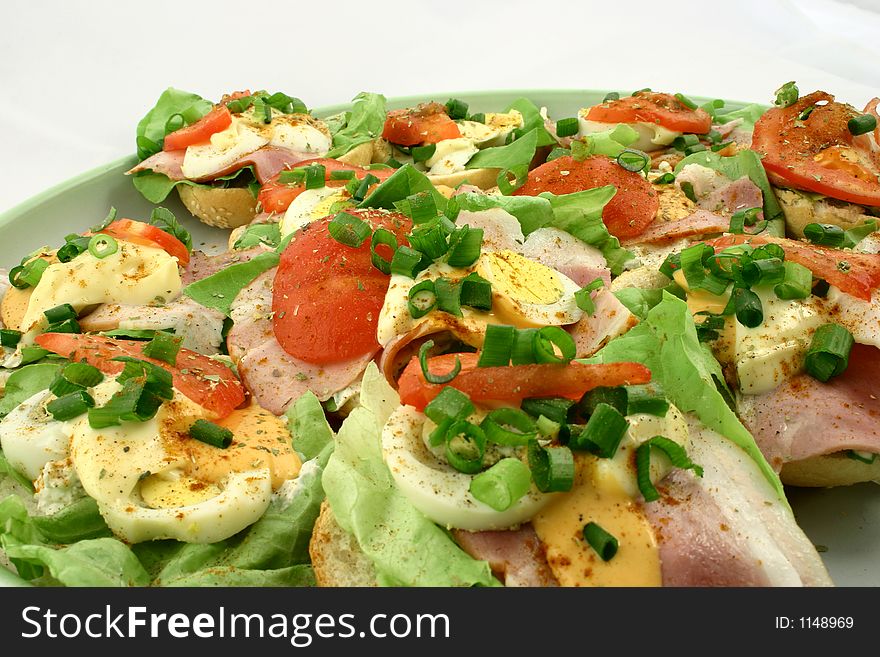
column 843, row 522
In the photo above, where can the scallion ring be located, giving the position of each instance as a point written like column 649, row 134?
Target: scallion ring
column 102, row 246
column 465, row 446
column 211, row 434
column 550, row 339
column 633, row 160
column 509, row 426
column 382, row 237
column 422, row 299
column 502, row 485
column 426, row 372
column 601, row 541
column 552, row 467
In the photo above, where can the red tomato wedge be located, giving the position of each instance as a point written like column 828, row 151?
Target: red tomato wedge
column 208, row 383
column 818, row 153
column 652, row 107
column 144, row 234
column 628, row 213
column 276, row 196
column 515, row 382
column 857, row 274
column 426, row 124
column 327, row 296
column 216, row 120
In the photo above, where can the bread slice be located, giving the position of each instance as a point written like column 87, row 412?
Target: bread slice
column 482, row 178
column 14, row 306
column 221, row 207
column 829, row 470
column 337, row 559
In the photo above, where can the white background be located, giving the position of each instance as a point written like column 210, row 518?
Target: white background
column 75, row 77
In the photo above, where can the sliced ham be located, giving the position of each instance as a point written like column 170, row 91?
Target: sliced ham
column 201, row 265
column 804, row 417
column 701, row 222
column 728, row 528
column 515, row 556
column 610, row 319
column 566, row 254
column 274, row 377
column 267, row 163
column 740, row 194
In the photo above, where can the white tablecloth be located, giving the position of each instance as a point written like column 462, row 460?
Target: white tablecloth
column 75, row 77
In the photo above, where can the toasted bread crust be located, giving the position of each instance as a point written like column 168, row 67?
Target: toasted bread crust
column 336, row 557
column 829, row 470
column 220, row 207
column 14, row 306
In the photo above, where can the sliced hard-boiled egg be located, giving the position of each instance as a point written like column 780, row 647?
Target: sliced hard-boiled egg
column 451, row 156
column 437, row 489
column 311, row 205
column 652, row 136
column 300, row 133
column 527, row 293
column 618, row 474
column 31, row 437
column 224, row 148
column 493, row 131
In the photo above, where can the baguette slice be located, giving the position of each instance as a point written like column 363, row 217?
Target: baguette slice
column 337, row 559
column 220, row 207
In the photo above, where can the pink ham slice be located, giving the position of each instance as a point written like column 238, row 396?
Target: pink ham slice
column 609, row 319
column 804, row 417
column 267, row 162
column 701, row 222
column 201, row 265
column 566, row 254
column 274, row 377
column 741, row 194
column 516, row 556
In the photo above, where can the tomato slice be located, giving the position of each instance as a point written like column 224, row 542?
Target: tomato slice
column 818, row 153
column 327, row 296
column 514, row 383
column 276, row 196
column 627, row 214
column 216, row 120
column 652, row 107
column 207, row 382
column 857, row 274
column 144, row 234
column 426, row 124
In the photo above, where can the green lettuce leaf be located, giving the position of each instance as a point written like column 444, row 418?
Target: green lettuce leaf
column 749, row 115
column 532, row 120
column 151, row 129
column 9, row 471
column 308, row 426
column 26, row 382
column 362, row 124
column 579, row 214
column 517, row 153
column 407, row 180
column 666, row 342
column 639, row 301
column 405, row 546
column 743, row 164
column 610, row 143
column 292, row 576
column 219, row 290
column 76, row 522
column 164, row 219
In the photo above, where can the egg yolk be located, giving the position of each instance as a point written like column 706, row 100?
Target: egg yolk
column 521, row 279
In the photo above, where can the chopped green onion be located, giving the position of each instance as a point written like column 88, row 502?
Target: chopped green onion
column 466, row 248
column 155, row 379
column 687, row 188
column 360, row 191
column 676, row 454
column 567, row 127
column 805, row 113
column 553, row 408
column 633, row 160
column 557, row 152
column 612, row 396
column 671, row 264
column 796, row 283
column 787, row 94
column 583, row 299
column 380, row 237
column 295, row 176
column 523, row 352
column 70, row 405
column 825, row 234
column 456, row 109
column 342, row 174
column 864, row 457
column 509, row 426
column 603, row 432
column 102, row 246
column 465, row 447
column 426, row 372
column 828, row 354
column 684, row 142
column 611, row 95
column 28, row 274
column 448, row 296
column 422, row 299
column 60, row 313
column 601, row 541
column 33, row 353
column 163, row 347
column 73, row 246
column 687, row 102
column 421, row 207
column 407, row 262
column 748, row 308
column 423, row 153
column 646, row 399
column 124, row 405
column 479, row 117
column 665, row 179
column 764, row 271
column 211, row 434
column 552, row 467
column 502, row 485
column 507, row 186
column 61, row 386
column 449, row 404
column 348, row 229
column 859, row 125
column 430, row 239
column 550, row 339
column 497, row 346
column 742, row 218
column 67, row 326
column 547, row 427
column 476, row 292
column 316, row 176
column 9, row 337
